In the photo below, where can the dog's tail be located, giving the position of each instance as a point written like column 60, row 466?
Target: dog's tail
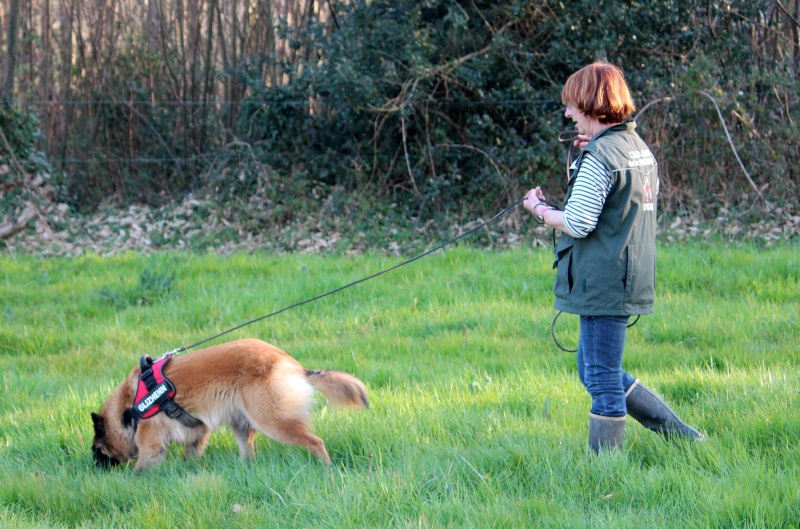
column 339, row 388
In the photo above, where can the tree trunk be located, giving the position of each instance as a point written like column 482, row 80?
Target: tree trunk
column 208, row 78
column 7, row 90
column 67, row 16
column 10, row 228
column 796, row 38
column 153, row 28
column 44, row 74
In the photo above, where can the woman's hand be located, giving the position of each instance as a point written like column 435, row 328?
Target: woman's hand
column 533, row 198
column 581, row 141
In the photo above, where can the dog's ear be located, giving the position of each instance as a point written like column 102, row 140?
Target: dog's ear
column 128, row 419
column 145, row 362
column 99, row 426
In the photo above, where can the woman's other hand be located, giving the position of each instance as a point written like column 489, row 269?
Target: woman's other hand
column 581, row 141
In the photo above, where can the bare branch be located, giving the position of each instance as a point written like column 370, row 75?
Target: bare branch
column 10, row 228
column 735, row 152
column 408, row 161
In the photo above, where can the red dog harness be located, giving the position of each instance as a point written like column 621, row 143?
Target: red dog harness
column 155, row 393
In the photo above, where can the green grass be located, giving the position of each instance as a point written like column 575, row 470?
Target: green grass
column 477, row 420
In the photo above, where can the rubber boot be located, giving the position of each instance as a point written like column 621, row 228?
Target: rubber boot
column 654, row 414
column 606, row 433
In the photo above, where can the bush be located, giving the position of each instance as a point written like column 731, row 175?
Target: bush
column 449, row 107
column 441, row 107
column 25, row 173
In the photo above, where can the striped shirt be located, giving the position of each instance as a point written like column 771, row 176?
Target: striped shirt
column 591, row 187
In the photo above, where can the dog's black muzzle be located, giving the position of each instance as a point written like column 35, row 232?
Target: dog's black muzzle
column 103, row 461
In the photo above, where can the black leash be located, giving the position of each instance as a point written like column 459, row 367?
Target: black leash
column 569, row 137
column 420, row 256
column 553, row 332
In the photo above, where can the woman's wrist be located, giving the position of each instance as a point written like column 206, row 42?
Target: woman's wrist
column 541, row 213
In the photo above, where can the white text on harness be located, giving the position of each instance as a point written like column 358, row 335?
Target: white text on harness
column 152, row 398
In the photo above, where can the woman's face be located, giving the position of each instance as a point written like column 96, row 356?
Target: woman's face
column 584, row 124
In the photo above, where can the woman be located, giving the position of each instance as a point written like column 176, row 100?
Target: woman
column 606, row 257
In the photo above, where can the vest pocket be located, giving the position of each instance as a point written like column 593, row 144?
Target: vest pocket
column 639, row 278
column 564, row 281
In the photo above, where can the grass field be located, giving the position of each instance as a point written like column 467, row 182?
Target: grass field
column 476, row 418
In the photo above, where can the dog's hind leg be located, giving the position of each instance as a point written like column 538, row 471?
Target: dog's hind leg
column 297, row 433
column 289, row 428
column 281, row 409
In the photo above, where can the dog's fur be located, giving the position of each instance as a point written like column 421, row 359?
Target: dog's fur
column 250, row 385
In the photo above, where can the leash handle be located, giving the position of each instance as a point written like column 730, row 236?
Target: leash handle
column 558, row 344
column 553, row 334
column 420, row 256
column 569, row 137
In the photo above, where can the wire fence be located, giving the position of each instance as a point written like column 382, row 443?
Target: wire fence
column 306, row 102
column 206, row 157
column 296, row 102
column 144, row 160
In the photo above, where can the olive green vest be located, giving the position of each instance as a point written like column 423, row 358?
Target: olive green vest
column 612, row 271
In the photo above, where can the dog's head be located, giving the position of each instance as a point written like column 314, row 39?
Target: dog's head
column 114, row 429
column 113, row 441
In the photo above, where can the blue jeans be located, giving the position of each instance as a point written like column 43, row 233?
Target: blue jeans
column 600, row 348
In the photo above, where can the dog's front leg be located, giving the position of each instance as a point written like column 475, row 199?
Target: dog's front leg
column 195, row 449
column 245, row 436
column 152, row 449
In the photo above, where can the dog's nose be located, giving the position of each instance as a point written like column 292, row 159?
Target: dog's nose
column 102, row 460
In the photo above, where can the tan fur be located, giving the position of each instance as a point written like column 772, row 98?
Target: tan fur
column 249, row 385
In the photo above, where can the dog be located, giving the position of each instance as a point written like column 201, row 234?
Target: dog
column 248, row 384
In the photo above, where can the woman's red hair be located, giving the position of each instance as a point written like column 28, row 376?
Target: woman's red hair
column 599, row 91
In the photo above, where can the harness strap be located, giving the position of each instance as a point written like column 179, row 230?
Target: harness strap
column 155, row 393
